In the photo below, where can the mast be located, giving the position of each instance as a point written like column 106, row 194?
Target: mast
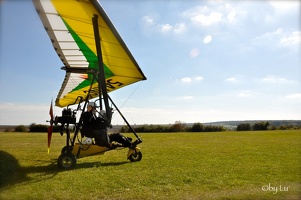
column 102, row 86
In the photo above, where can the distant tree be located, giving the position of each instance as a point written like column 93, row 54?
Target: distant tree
column 244, row 127
column 197, row 127
column 212, row 128
column 124, row 129
column 38, row 128
column 290, row 127
column 260, row 126
column 56, row 128
column 21, row 128
column 178, row 126
column 273, row 127
column 7, row 130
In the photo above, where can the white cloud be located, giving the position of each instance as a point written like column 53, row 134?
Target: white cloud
column 231, row 80
column 278, row 37
column 284, row 6
column 179, row 28
column 231, row 16
column 226, row 14
column 245, row 94
column 186, row 80
column 276, row 80
column 194, row 53
column 293, row 38
column 165, row 28
column 268, row 35
column 207, row 20
column 194, row 11
column 149, row 24
column 273, row 79
column 294, row 96
column 191, row 79
column 214, row 13
column 148, row 20
column 198, row 78
column 207, row 39
column 188, row 97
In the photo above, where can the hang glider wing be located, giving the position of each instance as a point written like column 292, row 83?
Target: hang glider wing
column 69, row 26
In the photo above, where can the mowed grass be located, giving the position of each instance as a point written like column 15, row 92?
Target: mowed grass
column 226, row 165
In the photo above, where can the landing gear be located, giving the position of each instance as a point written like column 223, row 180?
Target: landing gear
column 66, row 161
column 135, row 156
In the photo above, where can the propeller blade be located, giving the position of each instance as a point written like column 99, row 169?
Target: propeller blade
column 49, row 137
column 51, row 113
column 50, row 127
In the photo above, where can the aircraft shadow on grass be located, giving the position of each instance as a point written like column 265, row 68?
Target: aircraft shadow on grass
column 12, row 173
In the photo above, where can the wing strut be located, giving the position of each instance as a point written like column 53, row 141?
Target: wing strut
column 124, row 119
column 101, row 75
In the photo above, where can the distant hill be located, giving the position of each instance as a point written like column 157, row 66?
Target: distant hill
column 271, row 122
column 233, row 124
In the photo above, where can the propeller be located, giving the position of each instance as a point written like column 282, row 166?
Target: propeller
column 50, row 127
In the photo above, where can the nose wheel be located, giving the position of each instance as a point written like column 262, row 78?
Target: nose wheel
column 135, row 156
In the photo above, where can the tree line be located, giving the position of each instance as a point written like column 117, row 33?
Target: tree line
column 266, row 126
column 199, row 127
column 178, row 126
column 36, row 128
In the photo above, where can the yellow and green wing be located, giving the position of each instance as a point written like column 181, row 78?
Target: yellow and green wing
column 69, row 26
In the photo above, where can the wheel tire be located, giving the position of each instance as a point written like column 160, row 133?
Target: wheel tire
column 66, row 161
column 136, row 156
column 64, row 149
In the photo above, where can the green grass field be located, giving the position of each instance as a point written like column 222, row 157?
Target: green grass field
column 226, row 165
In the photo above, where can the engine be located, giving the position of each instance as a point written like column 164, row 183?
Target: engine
column 68, row 117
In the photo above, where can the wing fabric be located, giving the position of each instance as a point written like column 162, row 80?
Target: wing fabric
column 69, row 26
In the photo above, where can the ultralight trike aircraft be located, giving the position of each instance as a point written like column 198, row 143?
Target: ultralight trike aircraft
column 96, row 61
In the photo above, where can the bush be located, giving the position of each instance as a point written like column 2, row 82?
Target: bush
column 289, row 127
column 260, row 126
column 38, row 128
column 244, row 127
column 178, row 127
column 21, row 128
column 149, row 128
column 211, row 128
column 197, row 127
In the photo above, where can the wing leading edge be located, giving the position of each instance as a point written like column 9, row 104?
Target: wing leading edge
column 69, row 26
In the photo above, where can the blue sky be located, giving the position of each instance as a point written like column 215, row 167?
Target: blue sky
column 205, row 61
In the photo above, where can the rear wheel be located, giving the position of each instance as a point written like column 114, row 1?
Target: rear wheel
column 66, row 161
column 136, row 156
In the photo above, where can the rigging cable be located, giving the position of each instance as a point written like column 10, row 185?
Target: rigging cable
column 129, row 96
